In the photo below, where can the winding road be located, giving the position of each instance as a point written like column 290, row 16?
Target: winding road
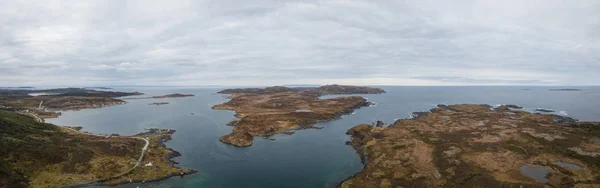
column 137, row 163
column 143, row 151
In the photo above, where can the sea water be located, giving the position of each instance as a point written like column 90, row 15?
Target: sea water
column 309, row 158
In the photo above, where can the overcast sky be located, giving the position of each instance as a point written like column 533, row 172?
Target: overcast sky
column 221, row 42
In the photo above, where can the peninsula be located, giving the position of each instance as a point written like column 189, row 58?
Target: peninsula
column 468, row 145
column 38, row 154
column 45, row 103
column 271, row 110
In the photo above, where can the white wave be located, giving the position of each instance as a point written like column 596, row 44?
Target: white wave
column 562, row 113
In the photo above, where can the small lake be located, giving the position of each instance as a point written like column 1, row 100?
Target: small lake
column 568, row 165
column 536, row 172
column 308, row 158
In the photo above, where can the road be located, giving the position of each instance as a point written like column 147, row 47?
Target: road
column 137, row 163
column 144, row 149
column 38, row 119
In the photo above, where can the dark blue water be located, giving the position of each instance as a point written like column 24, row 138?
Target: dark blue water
column 309, row 158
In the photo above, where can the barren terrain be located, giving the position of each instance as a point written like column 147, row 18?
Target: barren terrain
column 478, row 146
column 264, row 112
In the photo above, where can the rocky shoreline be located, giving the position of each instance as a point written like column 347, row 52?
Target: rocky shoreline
column 163, row 135
column 147, row 181
column 487, row 146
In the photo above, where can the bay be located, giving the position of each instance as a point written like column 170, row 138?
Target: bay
column 308, row 158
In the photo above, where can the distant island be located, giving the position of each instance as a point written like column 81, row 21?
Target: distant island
column 471, row 145
column 158, row 103
column 174, row 95
column 97, row 88
column 271, row 110
column 565, row 90
column 44, row 155
column 22, row 87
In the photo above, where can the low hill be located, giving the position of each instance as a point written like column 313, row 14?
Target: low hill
column 37, row 154
column 470, row 145
column 32, row 152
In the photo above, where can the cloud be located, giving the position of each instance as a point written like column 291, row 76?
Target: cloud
column 268, row 42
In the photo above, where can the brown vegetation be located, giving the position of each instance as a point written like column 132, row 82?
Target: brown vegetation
column 264, row 112
column 38, row 154
column 475, row 146
column 52, row 100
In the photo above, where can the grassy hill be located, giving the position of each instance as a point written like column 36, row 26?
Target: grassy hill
column 37, row 154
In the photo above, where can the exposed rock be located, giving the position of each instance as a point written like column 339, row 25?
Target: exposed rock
column 237, row 138
column 415, row 115
column 514, row 106
column 564, row 119
column 544, row 110
column 453, row 151
column 502, row 108
column 232, row 123
column 546, row 136
column 379, row 123
column 581, row 152
column 359, row 130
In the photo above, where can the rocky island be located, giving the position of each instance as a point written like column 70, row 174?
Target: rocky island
column 470, row 145
column 38, row 154
column 174, row 95
column 566, row 89
column 271, row 110
column 158, row 103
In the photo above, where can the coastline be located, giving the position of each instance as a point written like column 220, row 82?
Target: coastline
column 42, row 113
column 169, row 157
column 272, row 110
column 312, row 125
column 450, row 142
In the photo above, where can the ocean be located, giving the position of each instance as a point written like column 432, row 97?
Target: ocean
column 308, row 158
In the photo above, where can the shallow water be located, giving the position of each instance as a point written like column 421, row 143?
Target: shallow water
column 568, row 165
column 308, row 158
column 536, row 172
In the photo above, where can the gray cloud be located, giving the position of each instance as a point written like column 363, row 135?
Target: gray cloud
column 312, row 42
